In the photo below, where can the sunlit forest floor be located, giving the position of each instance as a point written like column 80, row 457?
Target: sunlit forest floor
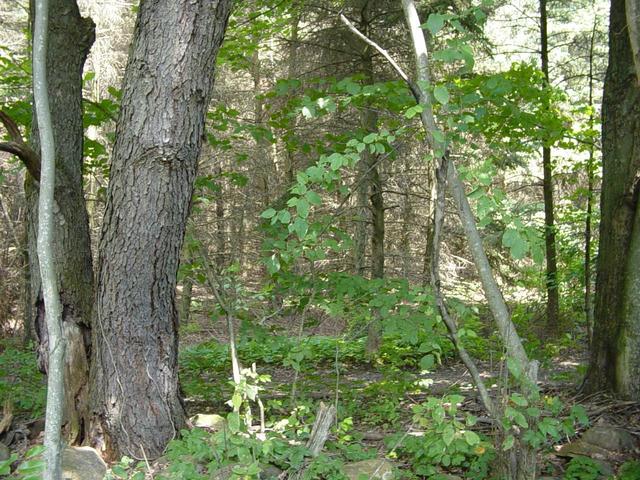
column 386, row 404
column 376, row 400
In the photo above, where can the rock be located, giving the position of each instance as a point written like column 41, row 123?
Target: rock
column 582, row 449
column 600, row 442
column 4, row 452
column 270, row 472
column 223, row 473
column 610, row 438
column 375, row 469
column 82, row 463
column 36, row 427
column 212, row 421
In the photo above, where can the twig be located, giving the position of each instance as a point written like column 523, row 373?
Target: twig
column 383, row 52
column 211, row 281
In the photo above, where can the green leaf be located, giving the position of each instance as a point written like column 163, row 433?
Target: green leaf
column 336, row 160
column 413, row 111
column 268, row 213
column 315, row 173
column 119, row 471
column 313, row 198
column 34, row 451
column 439, row 137
column 233, row 421
column 520, row 420
column 308, row 112
column 435, row 22
column 508, row 442
column 441, row 94
column 302, row 208
column 580, row 414
column 284, row 216
column 353, row 88
column 5, row 465
column 519, row 400
column 471, row 438
column 300, row 226
column 30, row 467
column 236, row 401
column 534, row 412
column 448, row 434
column 427, row 362
column 370, row 138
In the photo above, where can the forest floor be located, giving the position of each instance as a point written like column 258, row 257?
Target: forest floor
column 379, row 397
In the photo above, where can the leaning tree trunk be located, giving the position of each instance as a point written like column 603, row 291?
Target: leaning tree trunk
column 135, row 397
column 70, row 37
column 615, row 354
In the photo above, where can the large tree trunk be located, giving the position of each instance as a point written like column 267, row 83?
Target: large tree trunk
column 70, row 37
column 135, row 396
column 615, row 356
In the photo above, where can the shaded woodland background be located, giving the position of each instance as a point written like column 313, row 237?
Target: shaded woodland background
column 313, row 260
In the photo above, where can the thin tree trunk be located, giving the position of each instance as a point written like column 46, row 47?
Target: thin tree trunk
column 522, row 465
column 372, row 184
column 46, row 239
column 407, row 220
column 588, row 301
column 361, row 221
column 292, row 72
column 27, row 322
column 553, row 302
column 70, row 37
column 221, row 237
column 167, row 85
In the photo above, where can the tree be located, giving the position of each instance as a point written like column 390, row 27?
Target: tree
column 51, row 297
column 553, row 302
column 69, row 38
column 615, row 355
column 135, row 397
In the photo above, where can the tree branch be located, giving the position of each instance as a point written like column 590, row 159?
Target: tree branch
column 18, row 147
column 414, row 90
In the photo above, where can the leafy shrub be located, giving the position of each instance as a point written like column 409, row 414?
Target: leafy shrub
column 582, row 468
column 630, row 470
column 20, row 380
column 445, row 441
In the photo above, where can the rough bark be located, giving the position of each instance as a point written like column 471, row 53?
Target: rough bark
column 615, row 354
column 553, row 302
column 371, row 186
column 136, row 405
column 70, row 37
